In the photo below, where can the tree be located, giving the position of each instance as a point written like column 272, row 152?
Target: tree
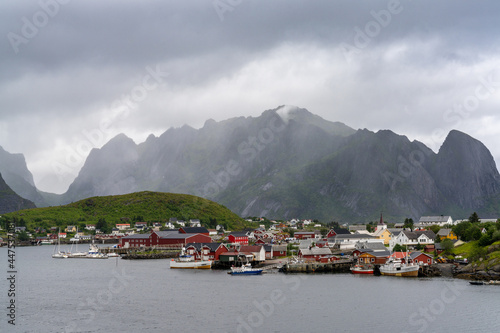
column 474, row 218
column 399, row 248
column 447, row 245
column 473, row 233
column 23, row 236
column 461, row 228
column 408, row 223
column 435, row 228
column 103, row 226
column 370, row 227
column 485, row 240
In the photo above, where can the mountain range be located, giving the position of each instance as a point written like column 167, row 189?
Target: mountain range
column 10, row 201
column 290, row 163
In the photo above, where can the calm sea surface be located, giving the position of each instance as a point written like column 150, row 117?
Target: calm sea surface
column 114, row 295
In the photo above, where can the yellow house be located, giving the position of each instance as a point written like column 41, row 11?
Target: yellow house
column 70, row 228
column 447, row 233
column 381, row 231
column 384, row 234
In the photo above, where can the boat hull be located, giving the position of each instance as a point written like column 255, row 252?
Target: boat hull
column 356, row 270
column 256, row 272
column 205, row 264
column 401, row 273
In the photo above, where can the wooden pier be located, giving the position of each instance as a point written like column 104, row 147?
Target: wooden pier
column 338, row 266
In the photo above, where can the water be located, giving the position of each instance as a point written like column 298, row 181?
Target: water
column 114, row 295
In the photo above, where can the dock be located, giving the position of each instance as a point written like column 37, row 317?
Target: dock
column 338, row 266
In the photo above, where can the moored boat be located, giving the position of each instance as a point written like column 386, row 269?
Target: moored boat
column 362, row 269
column 245, row 269
column 187, row 261
column 395, row 267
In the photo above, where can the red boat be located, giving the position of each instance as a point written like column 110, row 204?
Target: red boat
column 362, row 269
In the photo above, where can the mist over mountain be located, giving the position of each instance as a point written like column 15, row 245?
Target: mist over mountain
column 15, row 173
column 290, row 163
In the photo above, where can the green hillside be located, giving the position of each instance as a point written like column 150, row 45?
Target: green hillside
column 140, row 206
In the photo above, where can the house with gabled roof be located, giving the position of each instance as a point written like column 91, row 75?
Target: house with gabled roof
column 315, row 253
column 348, row 242
column 258, row 251
column 369, row 256
column 435, row 220
column 412, row 238
column 279, row 250
column 206, row 251
column 238, row 237
column 421, row 258
column 447, row 233
column 338, row 231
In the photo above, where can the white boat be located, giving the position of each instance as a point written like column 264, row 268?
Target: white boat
column 187, row 261
column 93, row 253
column 245, row 269
column 58, row 254
column 395, row 267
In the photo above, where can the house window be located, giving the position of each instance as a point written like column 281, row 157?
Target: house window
column 373, row 259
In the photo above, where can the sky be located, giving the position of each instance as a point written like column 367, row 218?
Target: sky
column 74, row 74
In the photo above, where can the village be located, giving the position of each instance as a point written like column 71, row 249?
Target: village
column 303, row 242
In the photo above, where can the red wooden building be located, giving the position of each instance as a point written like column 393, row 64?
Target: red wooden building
column 163, row 238
column 337, row 231
column 304, row 234
column 210, row 251
column 421, row 258
column 238, row 238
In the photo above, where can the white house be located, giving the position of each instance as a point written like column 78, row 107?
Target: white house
column 413, row 238
column 435, row 220
column 349, row 241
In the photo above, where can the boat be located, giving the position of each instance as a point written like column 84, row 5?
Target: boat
column 362, row 269
column 113, row 254
column 245, row 269
column 187, row 261
column 47, row 242
column 395, row 267
column 58, row 254
column 93, row 253
column 486, row 283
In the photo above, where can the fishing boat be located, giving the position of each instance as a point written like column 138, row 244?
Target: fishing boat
column 362, row 269
column 187, row 261
column 245, row 269
column 395, row 267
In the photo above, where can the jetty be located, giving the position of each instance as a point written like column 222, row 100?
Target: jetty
column 337, row 266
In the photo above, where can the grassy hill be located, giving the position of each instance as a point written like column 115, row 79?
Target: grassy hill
column 140, row 206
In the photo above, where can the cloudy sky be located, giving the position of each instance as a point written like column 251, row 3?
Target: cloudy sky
column 74, row 74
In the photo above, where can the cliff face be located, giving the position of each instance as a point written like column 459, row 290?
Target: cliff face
column 10, row 201
column 465, row 171
column 290, row 163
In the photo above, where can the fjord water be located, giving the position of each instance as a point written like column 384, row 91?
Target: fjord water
column 115, row 295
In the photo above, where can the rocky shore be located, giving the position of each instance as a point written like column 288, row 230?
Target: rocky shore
column 486, row 269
